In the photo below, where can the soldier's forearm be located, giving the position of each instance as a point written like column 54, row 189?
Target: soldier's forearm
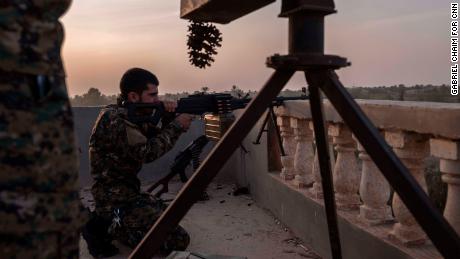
column 162, row 142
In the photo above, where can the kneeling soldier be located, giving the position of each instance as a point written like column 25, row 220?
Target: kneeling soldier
column 118, row 149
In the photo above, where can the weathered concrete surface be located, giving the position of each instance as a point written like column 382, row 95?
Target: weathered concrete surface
column 437, row 119
column 230, row 225
column 445, row 149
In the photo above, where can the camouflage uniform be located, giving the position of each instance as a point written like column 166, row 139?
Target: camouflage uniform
column 118, row 149
column 40, row 211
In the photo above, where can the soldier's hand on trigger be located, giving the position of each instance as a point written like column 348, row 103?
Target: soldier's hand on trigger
column 184, row 120
column 170, row 106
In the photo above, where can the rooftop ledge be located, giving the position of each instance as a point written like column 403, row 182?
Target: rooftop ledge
column 425, row 137
column 440, row 120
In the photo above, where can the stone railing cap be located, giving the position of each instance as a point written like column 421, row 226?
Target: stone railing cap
column 437, row 119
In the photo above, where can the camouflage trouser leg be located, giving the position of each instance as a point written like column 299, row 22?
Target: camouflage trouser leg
column 50, row 245
column 140, row 217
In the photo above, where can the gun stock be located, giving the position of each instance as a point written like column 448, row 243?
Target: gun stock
column 182, row 160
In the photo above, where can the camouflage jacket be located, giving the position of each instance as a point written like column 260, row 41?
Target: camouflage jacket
column 117, row 151
column 31, row 36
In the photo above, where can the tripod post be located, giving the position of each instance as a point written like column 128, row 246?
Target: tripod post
column 306, row 53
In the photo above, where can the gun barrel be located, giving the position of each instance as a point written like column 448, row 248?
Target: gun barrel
column 241, row 103
column 303, row 97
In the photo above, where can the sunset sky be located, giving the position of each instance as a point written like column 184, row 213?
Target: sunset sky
column 388, row 42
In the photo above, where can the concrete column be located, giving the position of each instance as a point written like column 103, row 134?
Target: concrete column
column 412, row 149
column 289, row 145
column 374, row 190
column 303, row 159
column 346, row 173
column 317, row 189
column 449, row 153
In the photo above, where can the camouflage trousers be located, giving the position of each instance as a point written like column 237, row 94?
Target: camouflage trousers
column 40, row 209
column 139, row 216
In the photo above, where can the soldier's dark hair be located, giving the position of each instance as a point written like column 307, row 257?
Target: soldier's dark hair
column 136, row 80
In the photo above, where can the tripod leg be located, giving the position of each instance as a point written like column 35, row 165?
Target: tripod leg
column 278, row 134
column 262, row 129
column 316, row 107
column 416, row 200
column 211, row 166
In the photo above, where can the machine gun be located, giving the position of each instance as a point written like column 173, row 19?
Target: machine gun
column 220, row 106
column 190, row 154
column 197, row 104
column 217, row 110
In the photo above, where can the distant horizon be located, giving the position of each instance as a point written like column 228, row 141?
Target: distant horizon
column 387, row 42
column 252, row 90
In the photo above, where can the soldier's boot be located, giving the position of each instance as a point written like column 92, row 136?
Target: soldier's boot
column 96, row 235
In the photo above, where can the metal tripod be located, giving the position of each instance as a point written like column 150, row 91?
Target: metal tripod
column 306, row 54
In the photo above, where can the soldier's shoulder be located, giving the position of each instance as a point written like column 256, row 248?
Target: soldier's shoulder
column 109, row 117
column 110, row 120
column 113, row 112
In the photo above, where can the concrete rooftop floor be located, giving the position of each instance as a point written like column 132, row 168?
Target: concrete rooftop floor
column 228, row 225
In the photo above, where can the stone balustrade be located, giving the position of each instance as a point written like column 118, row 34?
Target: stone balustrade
column 304, row 153
column 415, row 131
column 289, row 146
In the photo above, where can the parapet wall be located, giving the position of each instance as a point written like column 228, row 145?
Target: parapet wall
column 373, row 222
